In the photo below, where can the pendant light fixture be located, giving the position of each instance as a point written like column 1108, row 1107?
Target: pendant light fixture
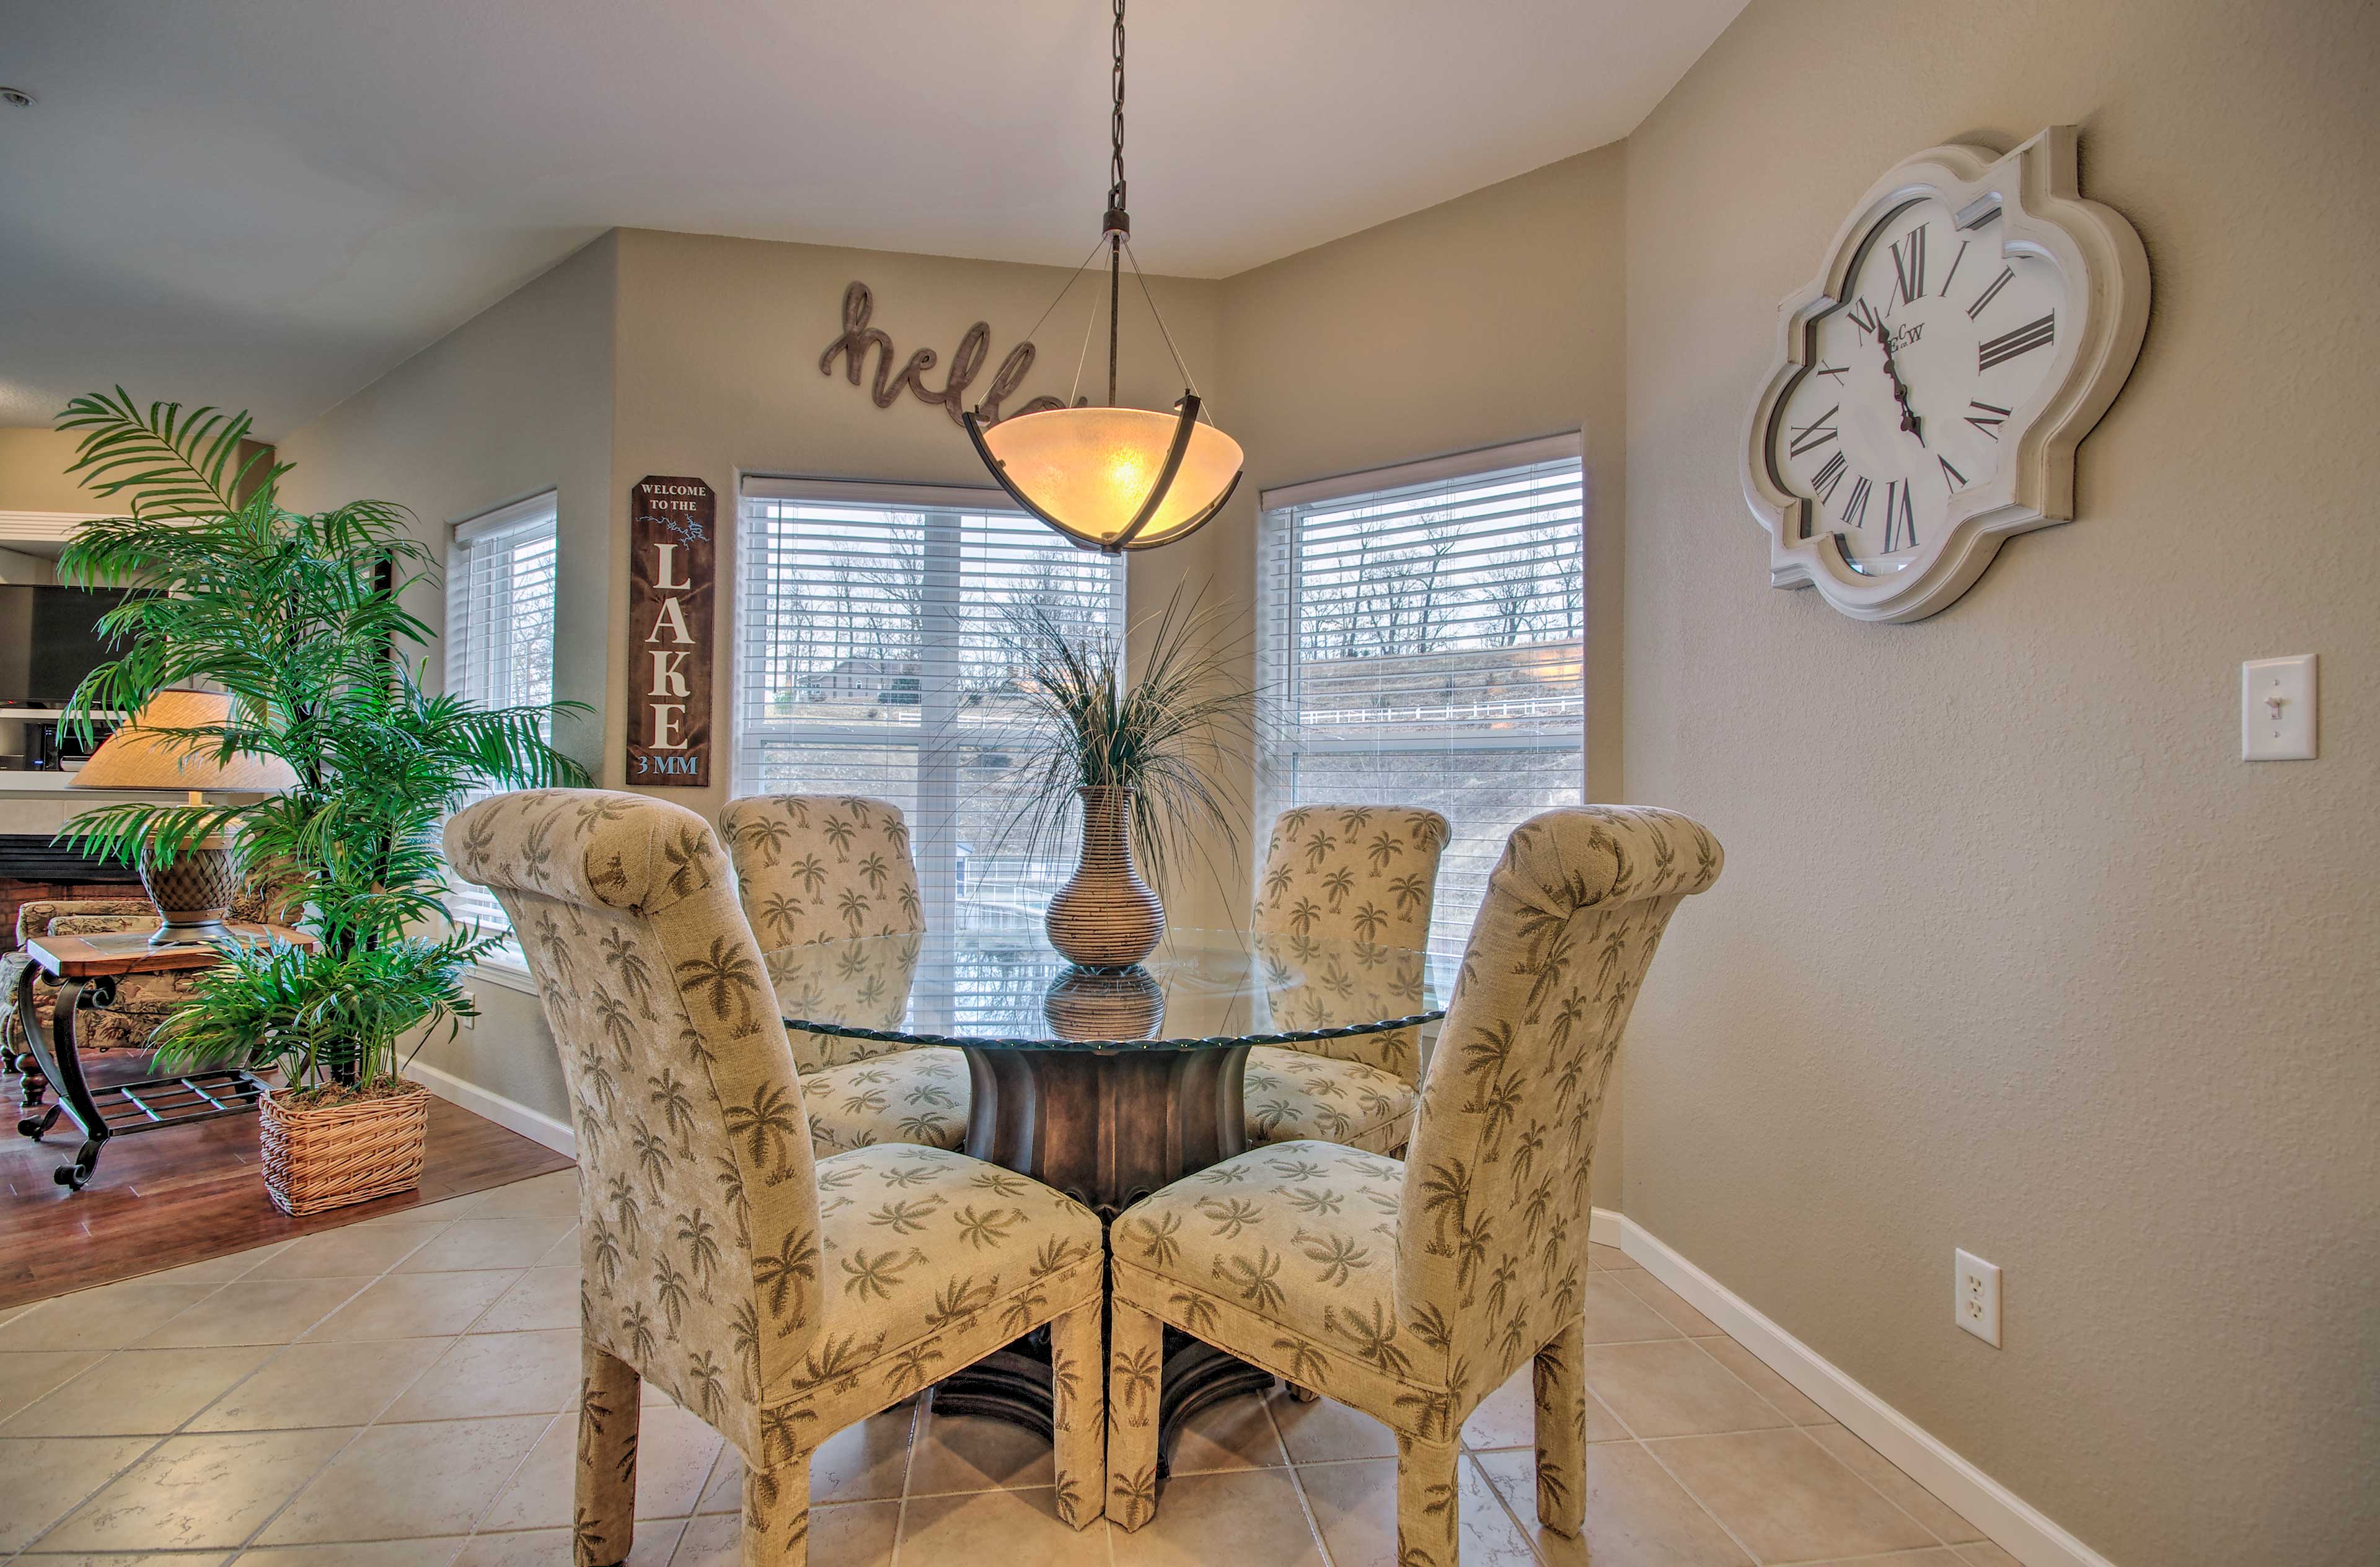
column 1114, row 478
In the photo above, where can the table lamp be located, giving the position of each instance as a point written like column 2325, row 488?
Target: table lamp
column 195, row 892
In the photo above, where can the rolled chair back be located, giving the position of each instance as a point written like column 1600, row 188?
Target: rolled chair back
column 823, row 867
column 1492, row 1247
column 1353, row 873
column 699, row 1204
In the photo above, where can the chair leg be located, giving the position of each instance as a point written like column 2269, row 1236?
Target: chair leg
column 777, row 1514
column 1560, row 1376
column 1427, row 1517
column 1080, row 1390
column 1135, row 1364
column 609, row 1402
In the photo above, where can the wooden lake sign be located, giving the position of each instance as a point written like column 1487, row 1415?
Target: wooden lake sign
column 672, row 569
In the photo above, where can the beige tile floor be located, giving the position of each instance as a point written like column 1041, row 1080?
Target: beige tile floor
column 399, row 1394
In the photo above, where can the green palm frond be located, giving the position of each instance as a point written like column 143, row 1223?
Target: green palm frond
column 299, row 620
column 1168, row 734
column 177, row 465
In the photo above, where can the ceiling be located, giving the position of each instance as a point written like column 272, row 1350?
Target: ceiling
column 267, row 203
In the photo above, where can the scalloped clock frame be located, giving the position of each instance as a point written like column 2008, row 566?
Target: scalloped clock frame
column 2104, row 272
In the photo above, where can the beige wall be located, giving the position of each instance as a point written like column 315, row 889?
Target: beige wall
column 1492, row 317
column 33, row 476
column 2012, row 952
column 719, row 341
column 515, row 401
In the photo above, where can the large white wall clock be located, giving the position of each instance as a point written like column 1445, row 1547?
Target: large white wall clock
column 1975, row 319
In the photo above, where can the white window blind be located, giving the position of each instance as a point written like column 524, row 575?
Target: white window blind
column 873, row 658
column 499, row 639
column 1419, row 640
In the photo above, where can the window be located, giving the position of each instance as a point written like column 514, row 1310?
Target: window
column 871, row 658
column 499, row 641
column 1419, row 642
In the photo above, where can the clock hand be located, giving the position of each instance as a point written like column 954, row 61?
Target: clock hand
column 1909, row 421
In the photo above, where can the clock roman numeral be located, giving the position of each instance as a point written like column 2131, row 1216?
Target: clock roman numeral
column 1991, row 292
column 1950, row 476
column 1900, row 517
column 1824, row 481
column 1838, row 371
column 1855, row 505
column 1816, row 433
column 1954, row 265
column 1909, row 266
column 1864, row 317
column 1990, row 419
column 2024, row 340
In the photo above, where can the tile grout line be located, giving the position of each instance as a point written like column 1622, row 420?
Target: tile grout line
column 471, row 1529
column 157, row 1443
column 909, row 1469
column 1297, row 1483
column 1502, row 1501
column 1621, row 1420
column 85, row 1498
column 1806, row 1434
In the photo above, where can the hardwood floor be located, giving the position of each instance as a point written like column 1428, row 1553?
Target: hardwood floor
column 184, row 1194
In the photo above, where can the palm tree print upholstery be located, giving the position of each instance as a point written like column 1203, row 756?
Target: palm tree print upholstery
column 1360, row 873
column 818, row 868
column 1413, row 1288
column 778, row 1295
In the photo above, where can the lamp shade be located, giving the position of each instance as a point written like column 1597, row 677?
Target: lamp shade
column 138, row 756
column 1113, row 478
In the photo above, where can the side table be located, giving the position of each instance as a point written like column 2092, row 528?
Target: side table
column 86, row 969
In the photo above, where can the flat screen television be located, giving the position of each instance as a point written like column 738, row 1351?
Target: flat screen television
column 49, row 640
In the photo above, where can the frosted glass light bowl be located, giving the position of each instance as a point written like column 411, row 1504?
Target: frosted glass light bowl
column 1088, row 472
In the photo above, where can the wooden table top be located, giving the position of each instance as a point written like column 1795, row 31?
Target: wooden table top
column 128, row 952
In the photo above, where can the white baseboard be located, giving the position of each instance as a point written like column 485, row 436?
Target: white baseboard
column 511, row 1115
column 2014, row 1523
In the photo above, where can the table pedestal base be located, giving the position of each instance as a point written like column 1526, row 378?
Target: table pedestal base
column 1013, row 1384
column 1107, row 1129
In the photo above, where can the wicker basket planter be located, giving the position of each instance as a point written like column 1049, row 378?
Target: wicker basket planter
column 319, row 1159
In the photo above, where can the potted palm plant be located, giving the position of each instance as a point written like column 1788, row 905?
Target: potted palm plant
column 298, row 620
column 1142, row 757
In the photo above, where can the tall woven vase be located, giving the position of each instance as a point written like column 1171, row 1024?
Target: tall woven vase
column 1105, row 917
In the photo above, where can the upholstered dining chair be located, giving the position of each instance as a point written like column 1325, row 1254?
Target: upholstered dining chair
column 1354, row 873
column 777, row 1296
column 1411, row 1289
column 818, row 867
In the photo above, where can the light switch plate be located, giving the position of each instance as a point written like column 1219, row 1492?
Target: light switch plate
column 2277, row 709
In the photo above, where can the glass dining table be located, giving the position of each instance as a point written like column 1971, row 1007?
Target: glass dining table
column 1106, row 1085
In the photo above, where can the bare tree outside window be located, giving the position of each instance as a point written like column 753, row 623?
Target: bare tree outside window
column 1422, row 644
column 872, row 660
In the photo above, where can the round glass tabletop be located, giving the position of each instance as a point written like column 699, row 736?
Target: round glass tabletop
column 1006, row 988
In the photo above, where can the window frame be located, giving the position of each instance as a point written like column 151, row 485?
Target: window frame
column 935, row 810
column 537, row 515
column 1284, row 739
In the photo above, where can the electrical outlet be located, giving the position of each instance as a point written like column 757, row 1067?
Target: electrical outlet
column 1976, row 1300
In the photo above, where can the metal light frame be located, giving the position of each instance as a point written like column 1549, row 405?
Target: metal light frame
column 1115, row 234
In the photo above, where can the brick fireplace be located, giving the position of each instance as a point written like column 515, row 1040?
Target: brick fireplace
column 32, row 869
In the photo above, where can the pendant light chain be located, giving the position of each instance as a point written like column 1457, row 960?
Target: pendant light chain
column 1113, row 478
column 1116, row 222
column 1115, row 122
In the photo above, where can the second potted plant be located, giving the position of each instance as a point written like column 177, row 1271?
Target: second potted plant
column 299, row 621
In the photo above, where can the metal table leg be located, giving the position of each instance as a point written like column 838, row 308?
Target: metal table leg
column 54, row 1050
column 21, row 1061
